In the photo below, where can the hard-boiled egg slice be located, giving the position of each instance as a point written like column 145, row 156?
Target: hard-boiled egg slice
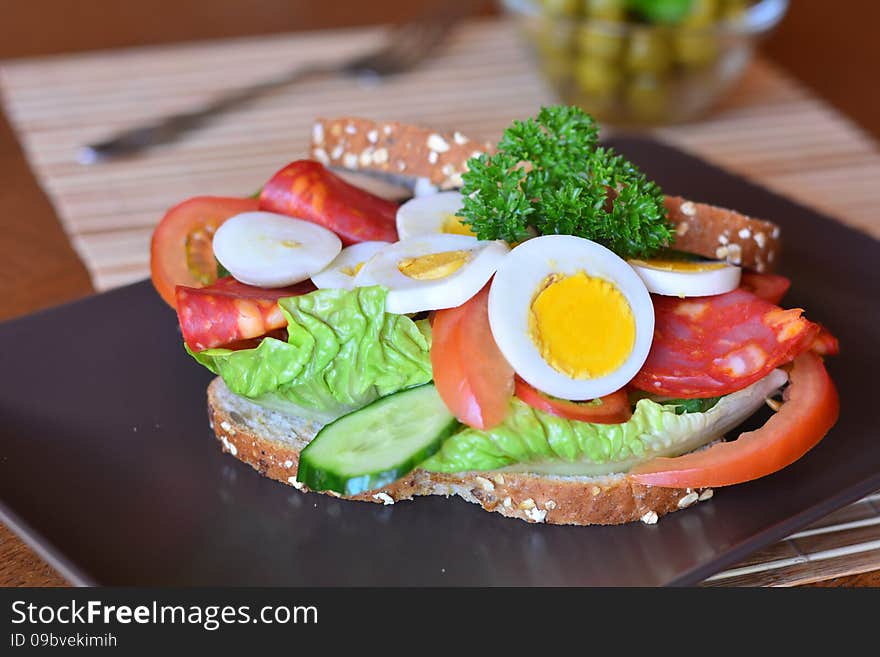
column 434, row 213
column 572, row 318
column 273, row 250
column 341, row 272
column 430, row 272
column 683, row 278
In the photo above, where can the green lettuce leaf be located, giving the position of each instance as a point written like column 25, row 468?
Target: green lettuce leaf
column 691, row 405
column 532, row 441
column 343, row 351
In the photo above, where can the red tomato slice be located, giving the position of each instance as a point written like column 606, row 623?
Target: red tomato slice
column 228, row 312
column 712, row 346
column 769, row 287
column 614, row 408
column 180, row 251
column 811, row 408
column 472, row 377
column 307, row 190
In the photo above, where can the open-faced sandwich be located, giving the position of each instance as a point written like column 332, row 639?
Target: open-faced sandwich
column 539, row 330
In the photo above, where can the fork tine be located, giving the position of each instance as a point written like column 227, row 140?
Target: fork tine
column 448, row 13
column 411, row 34
column 415, row 45
column 418, row 45
column 405, row 47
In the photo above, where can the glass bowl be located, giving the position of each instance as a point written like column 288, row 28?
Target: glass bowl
column 629, row 73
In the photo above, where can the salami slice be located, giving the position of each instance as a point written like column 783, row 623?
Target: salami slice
column 769, row 287
column 229, row 311
column 711, row 346
column 825, row 343
column 307, row 190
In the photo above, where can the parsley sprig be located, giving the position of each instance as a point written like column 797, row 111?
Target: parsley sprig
column 549, row 176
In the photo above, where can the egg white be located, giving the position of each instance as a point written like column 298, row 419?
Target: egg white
column 409, row 295
column 425, row 215
column 514, row 287
column 688, row 283
column 273, row 250
column 335, row 275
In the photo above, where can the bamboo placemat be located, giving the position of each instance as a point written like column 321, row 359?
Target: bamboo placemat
column 770, row 129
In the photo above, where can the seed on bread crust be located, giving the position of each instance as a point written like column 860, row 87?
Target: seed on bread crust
column 536, row 515
column 688, row 499
column 385, row 498
column 487, row 485
column 437, row 143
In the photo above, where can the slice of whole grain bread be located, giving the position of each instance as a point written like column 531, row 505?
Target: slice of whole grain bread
column 270, row 442
column 397, row 151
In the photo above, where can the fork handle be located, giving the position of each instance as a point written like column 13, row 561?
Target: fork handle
column 170, row 128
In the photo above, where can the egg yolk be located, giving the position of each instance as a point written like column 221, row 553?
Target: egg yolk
column 453, row 224
column 352, row 271
column 583, row 326
column 433, row 266
column 681, row 265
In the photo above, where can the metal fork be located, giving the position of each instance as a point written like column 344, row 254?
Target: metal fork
column 405, row 46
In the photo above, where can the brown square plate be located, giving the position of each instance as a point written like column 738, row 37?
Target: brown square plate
column 108, row 467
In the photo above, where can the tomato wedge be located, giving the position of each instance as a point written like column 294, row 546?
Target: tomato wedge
column 473, row 378
column 613, row 409
column 227, row 312
column 308, row 190
column 811, row 408
column 769, row 287
column 180, row 251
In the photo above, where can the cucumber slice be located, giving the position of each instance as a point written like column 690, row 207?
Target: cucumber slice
column 377, row 444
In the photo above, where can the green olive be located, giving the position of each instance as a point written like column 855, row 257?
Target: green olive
column 555, row 62
column 560, row 7
column 601, row 107
column 598, row 41
column 734, row 9
column 607, row 10
column 648, row 97
column 596, row 77
column 694, row 43
column 553, row 36
column 702, row 13
column 696, row 48
column 556, row 69
column 648, row 51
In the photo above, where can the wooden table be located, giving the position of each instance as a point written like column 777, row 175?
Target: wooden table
column 43, row 269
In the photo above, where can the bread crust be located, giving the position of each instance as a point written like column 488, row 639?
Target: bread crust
column 395, row 149
column 722, row 234
column 400, row 150
column 245, row 430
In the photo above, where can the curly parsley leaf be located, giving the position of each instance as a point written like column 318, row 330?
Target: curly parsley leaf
column 550, row 177
column 504, row 210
